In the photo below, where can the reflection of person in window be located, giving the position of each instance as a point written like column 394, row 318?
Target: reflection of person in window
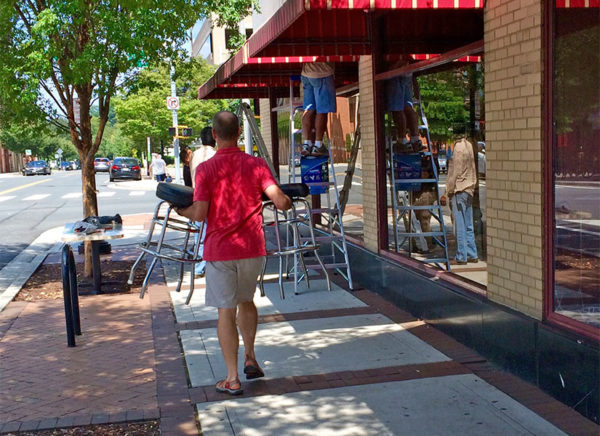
column 460, row 187
column 399, row 101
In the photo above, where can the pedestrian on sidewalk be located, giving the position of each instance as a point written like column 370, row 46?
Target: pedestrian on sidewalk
column 227, row 193
column 158, row 167
column 204, row 152
column 185, row 156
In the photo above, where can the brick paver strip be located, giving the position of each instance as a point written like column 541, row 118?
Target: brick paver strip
column 284, row 317
column 312, row 382
column 177, row 412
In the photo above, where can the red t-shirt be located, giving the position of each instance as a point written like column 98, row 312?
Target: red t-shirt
column 233, row 182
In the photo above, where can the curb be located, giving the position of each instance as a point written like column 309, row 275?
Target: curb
column 22, row 267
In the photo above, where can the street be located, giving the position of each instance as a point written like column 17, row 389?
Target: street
column 31, row 205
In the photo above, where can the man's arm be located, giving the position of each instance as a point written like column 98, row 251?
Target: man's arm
column 196, row 212
column 279, row 199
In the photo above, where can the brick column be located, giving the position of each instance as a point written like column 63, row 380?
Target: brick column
column 367, row 131
column 513, row 107
column 265, row 123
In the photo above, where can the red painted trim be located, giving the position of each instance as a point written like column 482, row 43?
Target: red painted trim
column 549, row 223
column 574, row 326
column 445, row 58
column 547, row 169
column 433, row 272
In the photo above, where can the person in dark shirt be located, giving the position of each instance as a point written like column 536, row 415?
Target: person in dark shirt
column 185, row 156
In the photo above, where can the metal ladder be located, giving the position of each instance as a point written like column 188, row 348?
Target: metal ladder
column 245, row 110
column 403, row 209
column 337, row 258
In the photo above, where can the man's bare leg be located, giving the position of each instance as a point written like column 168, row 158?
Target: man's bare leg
column 412, row 120
column 247, row 322
column 229, row 341
column 320, row 126
column 308, row 123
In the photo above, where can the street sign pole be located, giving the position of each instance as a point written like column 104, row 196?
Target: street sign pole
column 175, row 139
column 247, row 132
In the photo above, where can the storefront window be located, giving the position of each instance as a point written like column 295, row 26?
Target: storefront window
column 451, row 101
column 576, row 151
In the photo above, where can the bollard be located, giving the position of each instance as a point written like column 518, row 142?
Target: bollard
column 70, row 295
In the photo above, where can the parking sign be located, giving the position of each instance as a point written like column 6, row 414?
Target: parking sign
column 173, row 103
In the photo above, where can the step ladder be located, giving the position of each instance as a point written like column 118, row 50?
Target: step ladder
column 332, row 230
column 406, row 226
column 245, row 110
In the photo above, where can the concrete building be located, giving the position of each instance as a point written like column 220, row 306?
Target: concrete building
column 535, row 310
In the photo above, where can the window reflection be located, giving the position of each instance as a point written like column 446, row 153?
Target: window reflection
column 577, row 163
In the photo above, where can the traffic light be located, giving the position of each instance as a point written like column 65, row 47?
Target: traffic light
column 181, row 131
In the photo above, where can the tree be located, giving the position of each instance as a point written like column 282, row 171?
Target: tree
column 57, row 53
column 141, row 112
column 444, row 98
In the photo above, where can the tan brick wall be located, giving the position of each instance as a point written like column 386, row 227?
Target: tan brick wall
column 513, row 99
column 367, row 130
column 265, row 123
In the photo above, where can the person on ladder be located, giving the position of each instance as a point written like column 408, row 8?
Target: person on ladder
column 399, row 101
column 318, row 101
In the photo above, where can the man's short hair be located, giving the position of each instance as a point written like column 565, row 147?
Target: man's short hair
column 206, row 136
column 226, row 125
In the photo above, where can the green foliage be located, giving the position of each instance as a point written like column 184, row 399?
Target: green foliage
column 43, row 143
column 577, row 70
column 444, row 97
column 142, row 111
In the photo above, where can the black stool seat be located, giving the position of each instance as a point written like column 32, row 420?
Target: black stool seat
column 292, row 190
column 174, row 194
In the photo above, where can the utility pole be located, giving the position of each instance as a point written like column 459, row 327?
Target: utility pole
column 175, row 139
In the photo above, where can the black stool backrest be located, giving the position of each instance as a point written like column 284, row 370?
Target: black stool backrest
column 292, row 190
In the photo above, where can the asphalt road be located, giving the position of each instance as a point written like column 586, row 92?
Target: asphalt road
column 31, row 205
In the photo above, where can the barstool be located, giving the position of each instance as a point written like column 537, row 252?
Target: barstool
column 171, row 196
column 291, row 221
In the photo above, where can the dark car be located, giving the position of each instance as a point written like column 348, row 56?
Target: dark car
column 66, row 165
column 442, row 161
column 101, row 164
column 36, row 167
column 125, row 168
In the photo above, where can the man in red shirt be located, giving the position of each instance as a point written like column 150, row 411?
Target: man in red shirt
column 227, row 194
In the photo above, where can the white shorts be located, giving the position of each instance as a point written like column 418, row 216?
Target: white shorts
column 231, row 282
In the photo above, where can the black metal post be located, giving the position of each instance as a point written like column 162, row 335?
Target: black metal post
column 74, row 294
column 96, row 267
column 66, row 277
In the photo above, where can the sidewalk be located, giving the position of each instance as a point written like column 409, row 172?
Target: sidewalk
column 336, row 363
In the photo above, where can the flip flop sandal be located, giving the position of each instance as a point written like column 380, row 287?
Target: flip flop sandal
column 227, row 387
column 252, row 370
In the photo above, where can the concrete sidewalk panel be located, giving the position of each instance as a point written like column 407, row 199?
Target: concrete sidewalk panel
column 451, row 405
column 315, row 298
column 312, row 346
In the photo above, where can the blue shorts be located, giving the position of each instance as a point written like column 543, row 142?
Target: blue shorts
column 398, row 93
column 319, row 94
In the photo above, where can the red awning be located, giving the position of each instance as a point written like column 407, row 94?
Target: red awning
column 338, row 31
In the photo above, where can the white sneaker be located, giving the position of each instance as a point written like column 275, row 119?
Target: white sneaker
column 320, row 151
column 306, row 150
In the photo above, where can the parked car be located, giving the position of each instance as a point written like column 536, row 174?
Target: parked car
column 65, row 165
column 75, row 164
column 36, row 167
column 101, row 164
column 125, row 168
column 442, row 161
column 481, row 158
